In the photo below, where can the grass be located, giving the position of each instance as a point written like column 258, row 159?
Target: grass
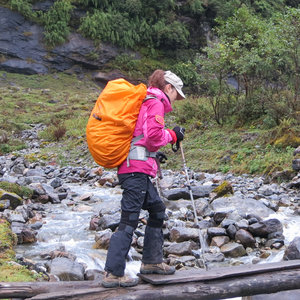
column 64, row 103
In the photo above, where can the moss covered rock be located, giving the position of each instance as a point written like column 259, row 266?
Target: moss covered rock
column 22, row 191
column 9, row 269
column 7, row 241
column 14, row 199
column 224, row 189
column 288, row 139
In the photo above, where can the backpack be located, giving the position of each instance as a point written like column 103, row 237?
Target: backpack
column 112, row 122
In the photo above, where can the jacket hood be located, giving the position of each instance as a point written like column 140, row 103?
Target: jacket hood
column 162, row 96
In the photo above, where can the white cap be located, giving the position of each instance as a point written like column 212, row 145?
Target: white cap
column 176, row 82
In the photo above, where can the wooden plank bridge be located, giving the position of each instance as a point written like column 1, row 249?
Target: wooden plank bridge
column 219, row 283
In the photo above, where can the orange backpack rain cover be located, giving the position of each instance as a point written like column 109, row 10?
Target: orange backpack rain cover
column 112, row 121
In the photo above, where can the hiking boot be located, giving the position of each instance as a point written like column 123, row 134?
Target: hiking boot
column 111, row 281
column 162, row 269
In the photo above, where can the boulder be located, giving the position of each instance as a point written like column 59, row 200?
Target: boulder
column 219, row 241
column 243, row 206
column 216, row 231
column 264, row 228
column 296, row 164
column 14, row 199
column 181, row 234
column 245, row 238
column 181, row 249
column 293, row 250
column 214, row 257
column 102, row 239
column 233, row 250
column 109, row 221
column 66, row 269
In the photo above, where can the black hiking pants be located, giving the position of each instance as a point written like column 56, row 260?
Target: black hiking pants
column 139, row 193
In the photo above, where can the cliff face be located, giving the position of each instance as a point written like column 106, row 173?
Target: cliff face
column 22, row 49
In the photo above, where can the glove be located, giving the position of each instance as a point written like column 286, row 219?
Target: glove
column 179, row 131
column 161, row 157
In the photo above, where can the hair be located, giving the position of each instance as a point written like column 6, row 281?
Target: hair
column 157, row 79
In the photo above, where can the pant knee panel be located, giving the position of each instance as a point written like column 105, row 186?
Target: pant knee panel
column 157, row 207
column 129, row 218
column 156, row 223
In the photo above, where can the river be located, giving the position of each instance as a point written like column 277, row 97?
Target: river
column 68, row 225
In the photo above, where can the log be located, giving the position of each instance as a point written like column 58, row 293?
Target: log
column 219, row 273
column 30, row 289
column 254, row 284
column 210, row 290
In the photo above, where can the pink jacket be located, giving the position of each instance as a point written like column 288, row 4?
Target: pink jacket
column 151, row 124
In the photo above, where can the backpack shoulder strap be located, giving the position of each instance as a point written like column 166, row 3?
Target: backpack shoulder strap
column 148, row 97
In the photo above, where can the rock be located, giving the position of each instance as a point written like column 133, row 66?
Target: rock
column 275, row 243
column 184, row 248
column 267, row 190
column 296, row 151
column 219, row 241
column 36, row 226
column 105, row 77
column 295, row 183
column 14, row 199
column 14, row 216
column 24, row 234
column 85, row 197
column 53, row 198
column 35, row 173
column 220, row 216
column 242, row 224
column 140, row 242
column 109, row 221
column 202, row 207
column 181, row 234
column 187, row 260
column 26, row 54
column 226, row 223
column 264, row 228
column 94, row 223
column 56, row 182
column 233, row 250
column 245, row 238
column 293, row 250
column 231, row 230
column 215, row 231
column 201, row 191
column 176, row 194
column 214, row 257
column 183, row 193
column 241, row 206
column 296, row 164
column 93, row 274
column 66, row 269
column 102, row 239
column 225, row 188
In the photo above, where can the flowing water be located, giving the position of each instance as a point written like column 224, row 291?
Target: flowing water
column 68, row 225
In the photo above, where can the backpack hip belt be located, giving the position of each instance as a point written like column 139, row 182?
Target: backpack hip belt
column 138, row 152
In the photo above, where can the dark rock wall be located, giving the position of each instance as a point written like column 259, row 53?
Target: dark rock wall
column 22, row 49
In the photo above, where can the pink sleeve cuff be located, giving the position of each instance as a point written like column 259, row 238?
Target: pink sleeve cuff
column 173, row 135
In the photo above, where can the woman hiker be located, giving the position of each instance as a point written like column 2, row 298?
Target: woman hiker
column 138, row 191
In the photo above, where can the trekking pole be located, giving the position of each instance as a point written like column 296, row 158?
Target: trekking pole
column 201, row 238
column 158, row 177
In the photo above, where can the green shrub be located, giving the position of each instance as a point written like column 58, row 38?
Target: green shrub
column 56, row 22
column 54, row 132
column 24, row 7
